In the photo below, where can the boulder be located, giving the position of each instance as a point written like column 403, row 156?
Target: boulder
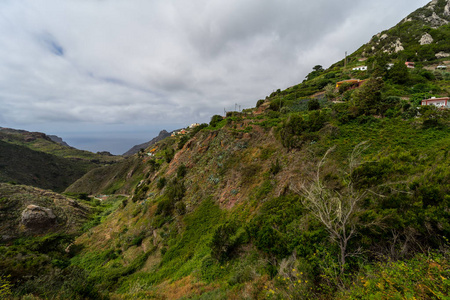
column 37, row 218
column 426, row 39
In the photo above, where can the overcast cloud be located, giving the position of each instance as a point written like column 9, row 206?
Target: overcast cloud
column 127, row 69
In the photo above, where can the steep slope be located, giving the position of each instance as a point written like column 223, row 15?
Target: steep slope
column 120, row 178
column 25, row 166
column 230, row 216
column 423, row 36
column 320, row 192
column 297, row 197
column 32, row 158
column 58, row 140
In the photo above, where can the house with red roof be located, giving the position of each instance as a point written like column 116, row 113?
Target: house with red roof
column 443, row 102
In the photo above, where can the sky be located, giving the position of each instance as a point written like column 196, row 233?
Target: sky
column 106, row 75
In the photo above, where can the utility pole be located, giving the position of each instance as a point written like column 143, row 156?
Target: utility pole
column 345, row 60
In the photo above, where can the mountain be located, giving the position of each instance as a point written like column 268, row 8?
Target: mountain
column 423, row 36
column 39, row 141
column 58, row 140
column 135, row 149
column 335, row 188
column 22, row 165
column 32, row 158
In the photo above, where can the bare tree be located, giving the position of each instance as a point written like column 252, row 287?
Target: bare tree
column 336, row 210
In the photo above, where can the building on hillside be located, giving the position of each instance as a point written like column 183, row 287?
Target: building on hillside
column 355, row 82
column 360, row 68
column 438, row 102
column 441, row 67
column 409, row 65
column 389, row 66
column 194, row 125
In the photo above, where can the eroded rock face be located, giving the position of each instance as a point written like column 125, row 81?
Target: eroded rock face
column 426, row 39
column 37, row 218
column 442, row 55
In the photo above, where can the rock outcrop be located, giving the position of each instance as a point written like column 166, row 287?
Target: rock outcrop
column 426, row 39
column 37, row 218
column 162, row 135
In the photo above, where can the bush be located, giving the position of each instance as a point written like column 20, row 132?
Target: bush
column 222, row 243
column 316, row 121
column 183, row 140
column 290, row 131
column 215, row 120
column 165, row 207
column 275, row 168
column 423, row 277
column 181, row 171
column 180, row 208
column 175, row 190
column 313, row 104
column 161, row 182
column 169, row 154
column 276, row 104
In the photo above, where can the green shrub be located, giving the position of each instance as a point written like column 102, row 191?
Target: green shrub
column 276, row 104
column 169, row 154
column 215, row 120
column 275, row 168
column 165, row 206
column 313, row 104
column 316, row 121
column 422, row 277
column 175, row 190
column 180, row 208
column 161, row 182
column 181, row 171
column 222, row 243
column 183, row 140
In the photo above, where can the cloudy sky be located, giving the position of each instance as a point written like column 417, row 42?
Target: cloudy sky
column 109, row 74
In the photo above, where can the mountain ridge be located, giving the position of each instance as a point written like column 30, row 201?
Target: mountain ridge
column 135, row 149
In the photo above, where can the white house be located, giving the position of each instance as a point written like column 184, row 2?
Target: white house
column 360, row 68
column 441, row 67
column 438, row 102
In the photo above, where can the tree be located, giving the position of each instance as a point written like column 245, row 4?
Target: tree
column 317, row 71
column 318, row 68
column 330, row 91
column 215, row 120
column 399, row 73
column 368, row 97
column 336, row 210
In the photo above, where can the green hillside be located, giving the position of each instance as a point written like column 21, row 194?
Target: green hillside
column 39, row 141
column 32, row 158
column 319, row 192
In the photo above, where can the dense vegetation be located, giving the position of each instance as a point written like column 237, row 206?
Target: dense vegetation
column 317, row 193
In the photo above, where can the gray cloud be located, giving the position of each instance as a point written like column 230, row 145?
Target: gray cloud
column 167, row 63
